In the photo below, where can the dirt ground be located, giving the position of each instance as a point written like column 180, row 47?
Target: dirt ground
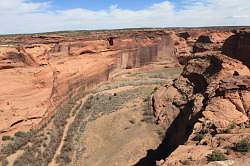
column 120, row 138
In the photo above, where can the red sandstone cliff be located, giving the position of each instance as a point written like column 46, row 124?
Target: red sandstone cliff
column 40, row 72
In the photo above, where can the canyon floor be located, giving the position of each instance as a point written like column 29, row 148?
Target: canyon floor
column 142, row 97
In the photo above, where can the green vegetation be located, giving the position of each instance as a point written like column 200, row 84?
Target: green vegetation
column 123, row 83
column 22, row 134
column 7, row 138
column 158, row 77
column 199, row 136
column 45, row 145
column 165, row 73
column 21, row 138
column 216, row 156
column 230, row 127
column 242, row 146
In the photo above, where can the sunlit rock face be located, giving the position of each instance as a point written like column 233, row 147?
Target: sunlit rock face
column 39, row 73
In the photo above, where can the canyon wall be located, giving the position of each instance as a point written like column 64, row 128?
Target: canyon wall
column 237, row 46
column 38, row 73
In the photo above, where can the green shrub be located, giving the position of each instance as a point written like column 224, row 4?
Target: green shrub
column 242, row 146
column 12, row 147
column 22, row 134
column 7, row 138
column 216, row 156
column 199, row 137
column 230, row 127
column 8, row 149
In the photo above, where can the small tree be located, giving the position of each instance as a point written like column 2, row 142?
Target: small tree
column 216, row 156
column 242, row 146
column 198, row 137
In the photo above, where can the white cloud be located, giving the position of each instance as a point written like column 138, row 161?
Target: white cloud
column 21, row 6
column 25, row 16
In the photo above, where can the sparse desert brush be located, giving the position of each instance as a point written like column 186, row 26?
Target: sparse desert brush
column 44, row 151
column 7, row 138
column 21, row 138
column 230, row 127
column 100, row 103
column 216, row 155
column 45, row 142
column 162, row 73
column 8, row 149
column 26, row 159
column 65, row 154
column 199, row 137
column 22, row 134
column 242, row 146
column 123, row 83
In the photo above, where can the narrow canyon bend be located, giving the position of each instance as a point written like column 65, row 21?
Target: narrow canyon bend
column 165, row 97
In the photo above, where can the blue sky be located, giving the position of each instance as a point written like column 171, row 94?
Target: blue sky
column 102, row 4
column 29, row 16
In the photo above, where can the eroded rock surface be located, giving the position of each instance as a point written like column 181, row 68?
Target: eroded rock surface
column 237, row 47
column 209, row 99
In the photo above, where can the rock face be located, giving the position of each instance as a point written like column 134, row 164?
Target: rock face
column 237, row 47
column 210, row 42
column 192, row 41
column 38, row 73
column 184, row 35
column 211, row 94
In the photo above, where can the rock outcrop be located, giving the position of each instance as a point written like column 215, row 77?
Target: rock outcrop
column 237, row 47
column 210, row 96
column 188, row 43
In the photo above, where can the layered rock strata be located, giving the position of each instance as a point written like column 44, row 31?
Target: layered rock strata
column 38, row 73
